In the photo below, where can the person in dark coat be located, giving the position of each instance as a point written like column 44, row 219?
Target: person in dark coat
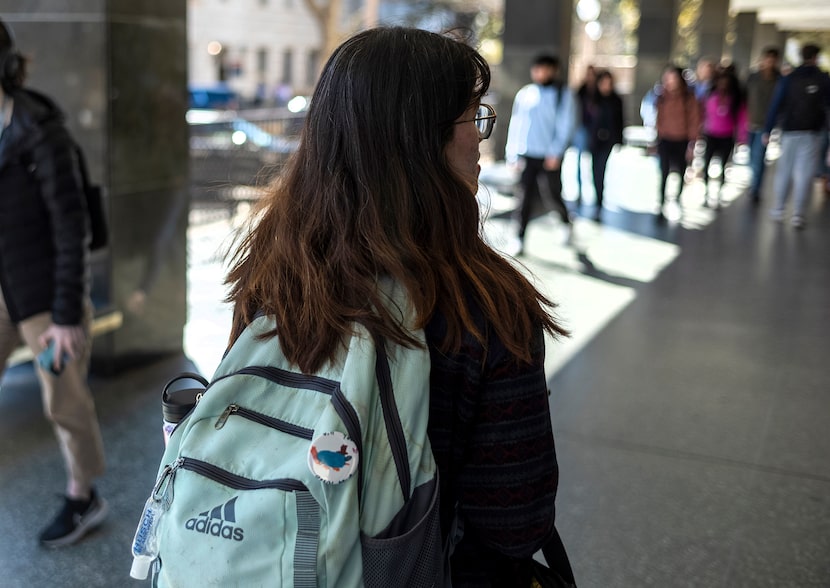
column 605, row 132
column 799, row 107
column 44, row 282
column 585, row 96
column 759, row 90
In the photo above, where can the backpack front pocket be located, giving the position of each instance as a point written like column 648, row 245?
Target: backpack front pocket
column 216, row 530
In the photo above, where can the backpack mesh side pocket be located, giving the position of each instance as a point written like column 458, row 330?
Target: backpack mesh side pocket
column 409, row 552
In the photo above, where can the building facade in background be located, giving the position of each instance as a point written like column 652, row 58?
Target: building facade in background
column 266, row 51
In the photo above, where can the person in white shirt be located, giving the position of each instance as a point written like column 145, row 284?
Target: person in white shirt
column 541, row 127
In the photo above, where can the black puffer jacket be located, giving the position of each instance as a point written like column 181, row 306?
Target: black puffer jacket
column 43, row 219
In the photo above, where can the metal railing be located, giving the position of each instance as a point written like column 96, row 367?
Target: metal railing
column 234, row 154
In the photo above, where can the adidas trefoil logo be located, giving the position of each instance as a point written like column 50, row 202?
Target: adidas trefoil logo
column 214, row 522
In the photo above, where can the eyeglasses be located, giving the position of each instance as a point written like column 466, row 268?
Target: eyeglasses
column 485, row 119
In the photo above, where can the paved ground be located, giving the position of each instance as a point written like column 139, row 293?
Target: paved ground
column 689, row 407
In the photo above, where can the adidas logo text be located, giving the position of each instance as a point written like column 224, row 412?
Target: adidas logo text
column 214, row 522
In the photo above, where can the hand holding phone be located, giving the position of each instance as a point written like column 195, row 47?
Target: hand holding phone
column 46, row 359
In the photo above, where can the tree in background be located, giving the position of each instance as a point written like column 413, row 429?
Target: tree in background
column 338, row 19
column 327, row 13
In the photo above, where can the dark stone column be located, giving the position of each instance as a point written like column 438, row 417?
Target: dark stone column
column 742, row 55
column 767, row 35
column 531, row 27
column 712, row 28
column 118, row 70
column 148, row 161
column 656, row 34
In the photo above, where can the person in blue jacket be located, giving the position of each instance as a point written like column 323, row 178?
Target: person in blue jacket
column 541, row 127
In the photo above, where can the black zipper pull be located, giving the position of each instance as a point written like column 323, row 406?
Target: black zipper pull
column 223, row 418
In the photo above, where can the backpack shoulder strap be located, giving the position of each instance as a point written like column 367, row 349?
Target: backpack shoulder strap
column 394, row 429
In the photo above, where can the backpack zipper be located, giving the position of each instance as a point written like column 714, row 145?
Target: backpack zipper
column 262, row 419
column 344, row 410
column 236, row 482
column 286, row 378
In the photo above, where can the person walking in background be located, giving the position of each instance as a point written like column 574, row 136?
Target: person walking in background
column 541, row 127
column 759, row 89
column 704, row 77
column 700, row 84
column 678, row 122
column 724, row 123
column 606, row 131
column 44, row 273
column 799, row 105
column 585, row 99
column 409, row 214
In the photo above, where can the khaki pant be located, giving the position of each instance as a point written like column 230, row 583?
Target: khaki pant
column 67, row 401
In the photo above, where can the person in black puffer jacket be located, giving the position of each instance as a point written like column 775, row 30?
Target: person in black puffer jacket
column 44, row 281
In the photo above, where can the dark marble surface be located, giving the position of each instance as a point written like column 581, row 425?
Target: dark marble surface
column 119, row 71
column 149, row 174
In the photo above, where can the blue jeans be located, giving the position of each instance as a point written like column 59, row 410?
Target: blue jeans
column 797, row 168
column 757, row 163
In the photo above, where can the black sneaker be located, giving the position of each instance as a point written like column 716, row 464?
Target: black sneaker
column 76, row 519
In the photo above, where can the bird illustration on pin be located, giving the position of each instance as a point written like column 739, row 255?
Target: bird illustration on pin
column 333, row 457
column 334, row 460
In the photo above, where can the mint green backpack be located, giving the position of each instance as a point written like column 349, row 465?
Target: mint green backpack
column 277, row 478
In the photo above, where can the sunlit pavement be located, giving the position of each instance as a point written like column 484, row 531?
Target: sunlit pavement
column 594, row 273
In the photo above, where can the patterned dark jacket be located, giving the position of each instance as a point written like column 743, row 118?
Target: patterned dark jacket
column 43, row 219
column 490, row 431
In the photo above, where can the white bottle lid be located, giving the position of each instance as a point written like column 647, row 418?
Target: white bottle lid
column 140, row 567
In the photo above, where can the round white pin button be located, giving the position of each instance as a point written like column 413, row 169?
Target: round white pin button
column 333, row 457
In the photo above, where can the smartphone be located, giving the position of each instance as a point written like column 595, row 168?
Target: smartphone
column 46, row 356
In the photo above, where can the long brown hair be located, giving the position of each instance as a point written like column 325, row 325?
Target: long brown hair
column 370, row 193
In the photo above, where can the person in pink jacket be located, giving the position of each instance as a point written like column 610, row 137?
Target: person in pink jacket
column 724, row 123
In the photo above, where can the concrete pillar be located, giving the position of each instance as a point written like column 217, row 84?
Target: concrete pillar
column 742, row 55
column 714, row 15
column 118, row 70
column 656, row 33
column 531, row 27
column 767, row 35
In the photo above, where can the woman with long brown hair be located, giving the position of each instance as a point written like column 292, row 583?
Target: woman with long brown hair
column 383, row 186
